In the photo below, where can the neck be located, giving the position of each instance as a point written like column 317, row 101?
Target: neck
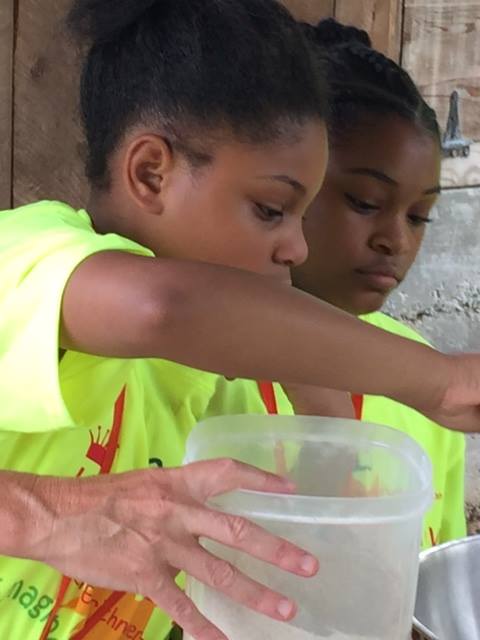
column 106, row 216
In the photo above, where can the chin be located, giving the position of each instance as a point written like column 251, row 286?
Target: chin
column 368, row 302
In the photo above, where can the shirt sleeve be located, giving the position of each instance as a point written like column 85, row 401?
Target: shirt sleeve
column 40, row 247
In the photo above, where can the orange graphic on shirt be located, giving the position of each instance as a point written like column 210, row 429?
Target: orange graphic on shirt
column 356, row 489
column 433, row 537
column 97, row 451
column 127, row 619
column 98, row 446
column 109, row 609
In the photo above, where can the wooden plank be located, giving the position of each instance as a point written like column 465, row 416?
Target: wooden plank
column 442, row 52
column 47, row 137
column 382, row 19
column 311, row 10
column 7, row 8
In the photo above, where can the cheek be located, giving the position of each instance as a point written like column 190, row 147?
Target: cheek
column 416, row 245
column 331, row 236
column 232, row 235
column 357, row 231
column 248, row 243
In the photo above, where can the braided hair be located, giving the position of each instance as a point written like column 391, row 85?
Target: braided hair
column 364, row 82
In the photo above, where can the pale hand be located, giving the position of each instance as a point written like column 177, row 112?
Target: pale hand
column 135, row 532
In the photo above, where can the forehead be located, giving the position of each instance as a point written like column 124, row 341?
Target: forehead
column 301, row 154
column 393, row 145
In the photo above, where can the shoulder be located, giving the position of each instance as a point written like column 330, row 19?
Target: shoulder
column 43, row 215
column 387, row 323
column 50, row 226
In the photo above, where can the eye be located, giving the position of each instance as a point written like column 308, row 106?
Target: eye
column 419, row 221
column 268, row 214
column 360, row 206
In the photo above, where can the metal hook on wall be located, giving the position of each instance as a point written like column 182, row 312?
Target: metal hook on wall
column 454, row 145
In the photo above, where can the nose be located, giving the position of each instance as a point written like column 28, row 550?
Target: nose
column 392, row 236
column 291, row 249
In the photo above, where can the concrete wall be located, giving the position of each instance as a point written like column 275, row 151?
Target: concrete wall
column 441, row 298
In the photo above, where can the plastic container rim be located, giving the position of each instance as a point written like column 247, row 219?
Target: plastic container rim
column 412, row 453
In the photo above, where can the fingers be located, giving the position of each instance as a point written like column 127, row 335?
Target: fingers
column 224, row 577
column 181, row 609
column 189, row 520
column 241, row 534
column 204, row 480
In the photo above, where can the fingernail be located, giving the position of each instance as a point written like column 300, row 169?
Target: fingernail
column 309, row 565
column 286, row 609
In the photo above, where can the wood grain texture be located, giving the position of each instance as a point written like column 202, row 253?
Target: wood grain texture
column 47, row 138
column 311, row 10
column 6, row 96
column 382, row 19
column 442, row 52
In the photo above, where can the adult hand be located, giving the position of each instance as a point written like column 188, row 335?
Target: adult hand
column 136, row 531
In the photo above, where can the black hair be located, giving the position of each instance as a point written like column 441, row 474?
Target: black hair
column 192, row 67
column 364, row 82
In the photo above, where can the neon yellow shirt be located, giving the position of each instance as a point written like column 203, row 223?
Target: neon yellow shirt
column 446, row 449
column 57, row 418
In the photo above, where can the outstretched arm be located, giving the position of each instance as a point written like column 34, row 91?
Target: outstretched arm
column 244, row 325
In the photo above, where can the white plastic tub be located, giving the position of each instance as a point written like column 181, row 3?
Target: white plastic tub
column 362, row 492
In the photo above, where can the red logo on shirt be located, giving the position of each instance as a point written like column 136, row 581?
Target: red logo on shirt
column 98, row 446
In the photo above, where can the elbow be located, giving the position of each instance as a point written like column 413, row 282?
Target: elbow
column 165, row 305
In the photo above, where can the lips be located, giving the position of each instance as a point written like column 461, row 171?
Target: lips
column 380, row 277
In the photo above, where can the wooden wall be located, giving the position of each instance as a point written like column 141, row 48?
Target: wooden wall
column 41, row 146
column 441, row 48
column 47, row 142
column 7, row 18
column 311, row 10
column 381, row 18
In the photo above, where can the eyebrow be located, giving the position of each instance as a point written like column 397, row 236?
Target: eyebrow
column 379, row 175
column 298, row 186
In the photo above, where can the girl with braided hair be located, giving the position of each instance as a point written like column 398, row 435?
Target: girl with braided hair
column 366, row 226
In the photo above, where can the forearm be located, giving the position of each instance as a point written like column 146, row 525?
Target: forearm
column 245, row 326
column 240, row 325
column 26, row 514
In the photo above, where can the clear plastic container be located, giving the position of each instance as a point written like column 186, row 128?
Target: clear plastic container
column 362, row 492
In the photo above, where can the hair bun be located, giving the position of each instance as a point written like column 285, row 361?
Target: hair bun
column 330, row 33
column 102, row 20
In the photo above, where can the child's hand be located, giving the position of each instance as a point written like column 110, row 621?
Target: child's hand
column 457, row 405
column 318, row 401
column 135, row 532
